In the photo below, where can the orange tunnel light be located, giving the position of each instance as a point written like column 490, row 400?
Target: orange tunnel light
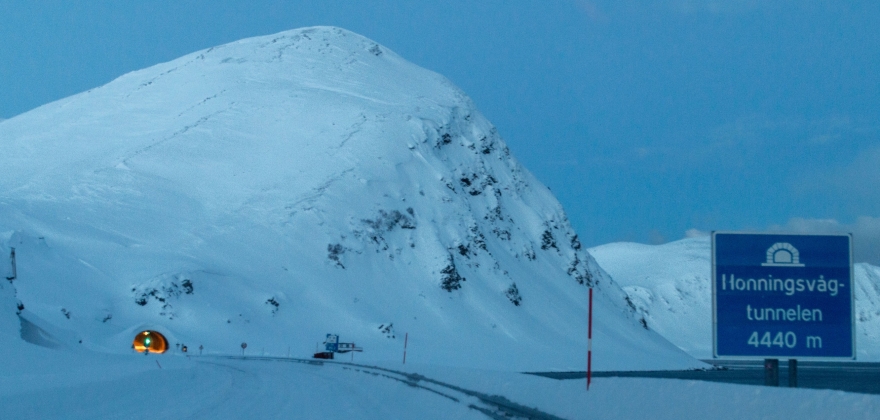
column 151, row 341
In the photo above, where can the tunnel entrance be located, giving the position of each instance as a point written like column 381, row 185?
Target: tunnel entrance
column 151, row 341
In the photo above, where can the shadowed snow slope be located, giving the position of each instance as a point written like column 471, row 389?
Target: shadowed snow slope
column 671, row 285
column 276, row 189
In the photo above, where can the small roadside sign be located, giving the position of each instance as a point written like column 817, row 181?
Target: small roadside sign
column 782, row 296
column 331, row 344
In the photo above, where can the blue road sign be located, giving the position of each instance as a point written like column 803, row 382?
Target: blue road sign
column 331, row 344
column 782, row 296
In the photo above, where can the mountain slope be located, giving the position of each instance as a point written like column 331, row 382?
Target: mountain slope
column 671, row 285
column 279, row 188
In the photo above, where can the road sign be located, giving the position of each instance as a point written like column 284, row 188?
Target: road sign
column 331, row 344
column 782, row 296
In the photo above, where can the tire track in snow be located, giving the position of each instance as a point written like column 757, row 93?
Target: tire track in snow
column 493, row 406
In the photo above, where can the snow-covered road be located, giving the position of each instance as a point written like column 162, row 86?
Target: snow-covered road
column 214, row 388
column 263, row 388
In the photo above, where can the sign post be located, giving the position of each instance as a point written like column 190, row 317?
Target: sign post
column 782, row 296
column 331, row 344
column 590, row 342
column 12, row 261
column 405, row 341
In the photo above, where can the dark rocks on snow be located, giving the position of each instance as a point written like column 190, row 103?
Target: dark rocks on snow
column 387, row 221
column 476, row 184
column 187, row 286
column 450, row 279
column 163, row 294
column 502, row 234
column 575, row 243
column 477, row 238
column 512, row 293
column 494, row 214
column 333, row 253
column 548, row 241
column 581, row 276
column 486, row 149
column 630, row 303
column 274, row 303
column 388, row 330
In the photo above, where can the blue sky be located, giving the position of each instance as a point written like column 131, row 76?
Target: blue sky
column 646, row 119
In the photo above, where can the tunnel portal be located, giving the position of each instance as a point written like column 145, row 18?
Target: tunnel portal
column 151, row 341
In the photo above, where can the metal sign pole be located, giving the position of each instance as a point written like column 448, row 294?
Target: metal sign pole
column 405, row 341
column 771, row 372
column 12, row 261
column 590, row 342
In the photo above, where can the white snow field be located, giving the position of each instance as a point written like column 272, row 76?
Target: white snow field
column 65, row 383
column 671, row 285
column 208, row 388
column 279, row 188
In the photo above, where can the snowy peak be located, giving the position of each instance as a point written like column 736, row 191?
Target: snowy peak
column 177, row 107
column 309, row 181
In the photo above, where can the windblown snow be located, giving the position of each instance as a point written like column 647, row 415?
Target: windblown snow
column 276, row 189
column 671, row 285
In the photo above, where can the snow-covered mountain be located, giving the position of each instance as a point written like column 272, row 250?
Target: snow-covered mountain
column 279, row 188
column 671, row 285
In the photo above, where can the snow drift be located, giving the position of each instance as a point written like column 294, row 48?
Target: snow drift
column 279, row 188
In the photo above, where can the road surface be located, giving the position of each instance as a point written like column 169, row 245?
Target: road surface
column 857, row 377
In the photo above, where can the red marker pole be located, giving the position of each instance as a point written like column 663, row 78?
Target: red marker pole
column 405, row 340
column 590, row 342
